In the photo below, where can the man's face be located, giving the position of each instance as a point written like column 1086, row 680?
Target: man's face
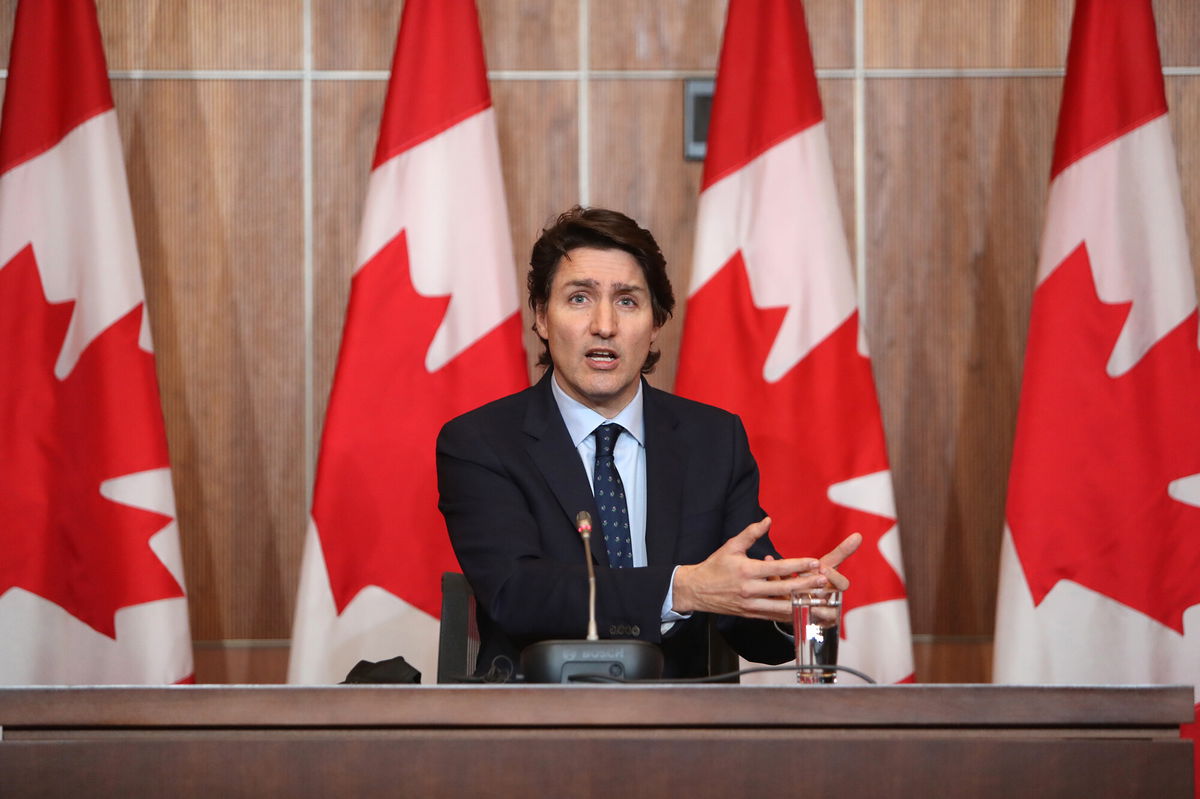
column 600, row 326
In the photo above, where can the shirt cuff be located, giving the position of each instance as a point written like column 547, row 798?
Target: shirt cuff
column 668, row 616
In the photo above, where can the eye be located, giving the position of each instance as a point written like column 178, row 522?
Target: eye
column 577, row 299
column 627, row 301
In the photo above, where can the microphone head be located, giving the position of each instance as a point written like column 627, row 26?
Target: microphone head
column 583, row 522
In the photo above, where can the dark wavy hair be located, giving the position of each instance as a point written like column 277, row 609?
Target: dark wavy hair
column 599, row 229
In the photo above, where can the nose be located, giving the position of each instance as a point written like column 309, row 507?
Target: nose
column 604, row 321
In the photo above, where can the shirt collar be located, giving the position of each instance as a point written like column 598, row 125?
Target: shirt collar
column 582, row 420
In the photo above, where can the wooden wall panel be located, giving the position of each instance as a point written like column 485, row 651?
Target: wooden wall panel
column 8, row 10
column 1183, row 98
column 241, row 662
column 957, row 183
column 202, row 34
column 966, row 33
column 530, row 34
column 670, row 34
column 831, row 31
column 199, row 34
column 354, row 34
column 963, row 659
column 517, row 34
column 537, row 127
column 686, row 34
column 214, row 177
column 1178, row 23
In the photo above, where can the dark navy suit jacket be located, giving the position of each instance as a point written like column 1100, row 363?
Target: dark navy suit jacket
column 511, row 483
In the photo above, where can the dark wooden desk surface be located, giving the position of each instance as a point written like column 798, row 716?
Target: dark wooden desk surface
column 610, row 741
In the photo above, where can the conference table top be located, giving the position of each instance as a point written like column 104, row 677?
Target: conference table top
column 1098, row 708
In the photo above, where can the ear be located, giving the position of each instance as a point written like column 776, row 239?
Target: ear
column 539, row 322
column 654, row 333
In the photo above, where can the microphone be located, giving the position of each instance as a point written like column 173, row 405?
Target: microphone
column 583, row 524
column 562, row 661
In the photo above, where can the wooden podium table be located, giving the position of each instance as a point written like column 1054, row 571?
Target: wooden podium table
column 614, row 742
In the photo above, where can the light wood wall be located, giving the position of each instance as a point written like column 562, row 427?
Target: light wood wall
column 226, row 121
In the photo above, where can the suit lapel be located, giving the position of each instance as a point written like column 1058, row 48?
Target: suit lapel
column 666, row 460
column 550, row 447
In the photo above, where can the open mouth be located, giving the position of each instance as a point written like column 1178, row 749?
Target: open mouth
column 599, row 356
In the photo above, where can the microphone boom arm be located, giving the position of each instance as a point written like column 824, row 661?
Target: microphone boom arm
column 583, row 523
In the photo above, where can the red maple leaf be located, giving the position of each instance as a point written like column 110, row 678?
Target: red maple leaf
column 375, row 503
column 60, row 440
column 817, row 426
column 1093, row 457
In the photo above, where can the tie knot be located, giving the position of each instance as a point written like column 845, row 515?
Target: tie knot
column 606, row 439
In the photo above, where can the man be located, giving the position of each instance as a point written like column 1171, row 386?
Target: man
column 675, row 480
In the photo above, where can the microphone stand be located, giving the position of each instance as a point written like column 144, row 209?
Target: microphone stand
column 583, row 523
column 565, row 661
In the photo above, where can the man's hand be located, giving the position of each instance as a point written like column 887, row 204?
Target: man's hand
column 732, row 583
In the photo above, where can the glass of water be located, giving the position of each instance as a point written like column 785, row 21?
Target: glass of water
column 815, row 617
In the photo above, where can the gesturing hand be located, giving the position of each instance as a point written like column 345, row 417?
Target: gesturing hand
column 732, row 583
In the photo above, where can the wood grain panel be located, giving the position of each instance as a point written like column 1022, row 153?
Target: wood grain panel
column 241, row 663
column 1183, row 98
column 354, row 34
column 831, row 31
column 214, row 175
column 957, row 184
column 837, row 98
column 8, row 12
column 668, row 34
column 1178, row 24
column 530, row 34
column 966, row 33
column 536, row 123
column 202, row 34
column 686, row 34
column 951, row 661
column 517, row 34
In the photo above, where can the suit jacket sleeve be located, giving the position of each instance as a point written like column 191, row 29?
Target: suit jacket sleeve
column 754, row 639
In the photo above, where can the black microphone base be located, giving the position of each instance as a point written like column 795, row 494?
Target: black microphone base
column 561, row 661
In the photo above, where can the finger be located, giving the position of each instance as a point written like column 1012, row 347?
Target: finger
column 742, row 542
column 773, row 609
column 836, row 579
column 785, row 586
column 842, row 550
column 784, row 567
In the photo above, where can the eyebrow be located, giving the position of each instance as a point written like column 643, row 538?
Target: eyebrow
column 589, row 283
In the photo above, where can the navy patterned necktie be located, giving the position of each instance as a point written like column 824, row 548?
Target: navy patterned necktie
column 610, row 498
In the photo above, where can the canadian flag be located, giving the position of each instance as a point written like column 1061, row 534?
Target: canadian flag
column 772, row 329
column 1100, row 563
column 91, row 576
column 432, row 331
